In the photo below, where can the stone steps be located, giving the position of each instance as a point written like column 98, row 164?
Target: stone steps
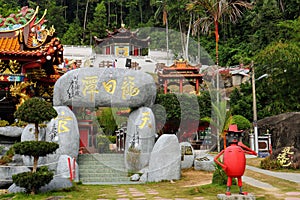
column 102, row 169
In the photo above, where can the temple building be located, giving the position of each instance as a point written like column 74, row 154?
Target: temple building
column 29, row 56
column 122, row 42
column 180, row 74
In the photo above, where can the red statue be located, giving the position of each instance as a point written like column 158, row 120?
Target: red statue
column 234, row 160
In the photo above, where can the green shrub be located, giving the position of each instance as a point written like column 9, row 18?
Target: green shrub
column 32, row 181
column 1, row 148
column 269, row 163
column 103, row 143
column 112, row 138
column 242, row 122
column 220, row 177
column 35, row 148
column 7, row 157
column 37, row 111
column 3, row 123
column 19, row 123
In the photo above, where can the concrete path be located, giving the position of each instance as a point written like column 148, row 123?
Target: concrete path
column 294, row 177
column 257, row 183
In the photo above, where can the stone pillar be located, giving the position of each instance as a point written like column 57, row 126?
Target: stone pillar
column 251, row 141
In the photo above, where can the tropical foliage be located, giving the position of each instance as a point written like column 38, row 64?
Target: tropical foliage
column 267, row 34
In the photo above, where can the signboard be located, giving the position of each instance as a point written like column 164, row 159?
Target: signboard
column 12, row 78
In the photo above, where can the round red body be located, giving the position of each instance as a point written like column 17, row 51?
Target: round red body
column 235, row 161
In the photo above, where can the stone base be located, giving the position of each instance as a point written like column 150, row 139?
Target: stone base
column 236, row 197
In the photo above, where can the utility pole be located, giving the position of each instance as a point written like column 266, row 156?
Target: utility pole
column 254, row 110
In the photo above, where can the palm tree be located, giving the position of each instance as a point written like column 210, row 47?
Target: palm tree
column 162, row 7
column 213, row 11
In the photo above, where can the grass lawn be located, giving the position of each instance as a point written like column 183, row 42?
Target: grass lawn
column 192, row 185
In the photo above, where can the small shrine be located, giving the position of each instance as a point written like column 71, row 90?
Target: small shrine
column 122, row 42
column 29, row 56
column 180, row 74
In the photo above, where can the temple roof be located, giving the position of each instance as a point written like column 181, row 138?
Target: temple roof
column 22, row 34
column 9, row 44
column 179, row 68
column 25, row 40
column 122, row 35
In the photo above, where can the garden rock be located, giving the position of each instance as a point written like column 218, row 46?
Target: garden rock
column 64, row 130
column 141, row 136
column 6, row 173
column 135, row 177
column 165, row 159
column 56, row 183
column 205, row 163
column 104, row 87
column 187, row 155
column 63, row 168
column 11, row 131
column 28, row 135
column 284, row 129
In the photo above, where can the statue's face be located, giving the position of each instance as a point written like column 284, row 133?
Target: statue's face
column 233, row 137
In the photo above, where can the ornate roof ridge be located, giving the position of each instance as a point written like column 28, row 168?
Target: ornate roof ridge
column 11, row 18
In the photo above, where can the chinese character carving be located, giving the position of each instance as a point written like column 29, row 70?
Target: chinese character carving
column 53, row 133
column 73, row 89
column 145, row 119
column 284, row 157
column 128, row 87
column 62, row 123
column 110, row 86
column 90, row 86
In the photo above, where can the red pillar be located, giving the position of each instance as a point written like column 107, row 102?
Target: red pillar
column 197, row 86
column 180, row 86
column 165, row 86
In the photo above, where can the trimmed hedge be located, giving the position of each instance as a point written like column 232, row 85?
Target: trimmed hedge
column 35, row 148
column 32, row 181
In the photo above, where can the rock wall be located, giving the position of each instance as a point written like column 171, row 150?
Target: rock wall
column 284, row 128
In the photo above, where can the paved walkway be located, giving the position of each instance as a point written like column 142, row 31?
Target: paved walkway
column 133, row 193
column 293, row 177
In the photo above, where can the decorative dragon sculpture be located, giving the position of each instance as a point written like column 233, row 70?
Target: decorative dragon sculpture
column 19, row 90
column 15, row 20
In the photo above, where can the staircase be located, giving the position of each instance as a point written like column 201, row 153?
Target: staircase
column 102, row 169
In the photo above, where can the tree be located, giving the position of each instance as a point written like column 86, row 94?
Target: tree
column 73, row 35
column 55, row 15
column 279, row 93
column 36, row 111
column 107, row 121
column 98, row 25
column 214, row 11
column 7, row 7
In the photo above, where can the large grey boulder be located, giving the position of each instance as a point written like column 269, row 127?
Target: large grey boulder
column 11, row 131
column 284, row 129
column 6, row 173
column 64, row 130
column 165, row 159
column 204, row 163
column 63, row 168
column 105, row 87
column 140, row 136
column 187, row 155
column 28, row 135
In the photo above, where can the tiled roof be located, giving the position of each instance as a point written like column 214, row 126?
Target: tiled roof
column 9, row 44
